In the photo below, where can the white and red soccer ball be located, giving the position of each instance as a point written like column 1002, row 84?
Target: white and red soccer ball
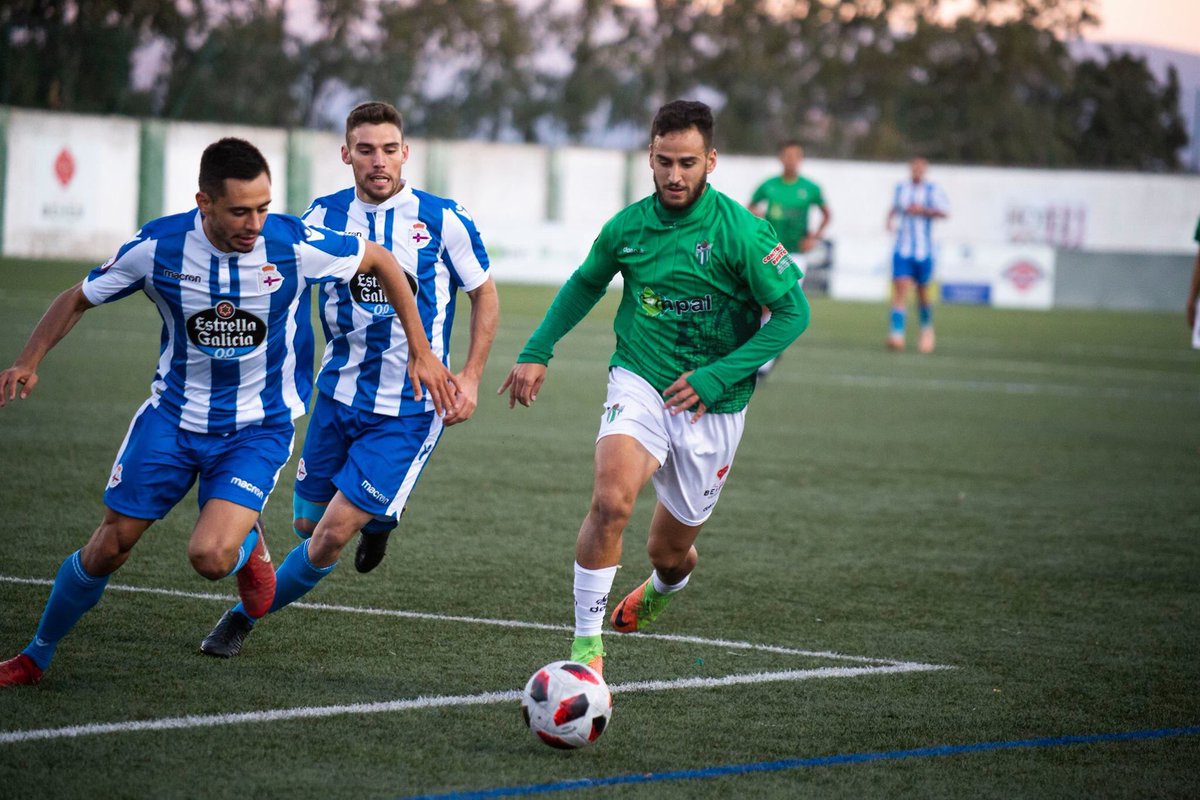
column 566, row 705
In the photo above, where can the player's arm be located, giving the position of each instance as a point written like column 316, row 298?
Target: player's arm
column 1193, row 294
column 819, row 233
column 485, row 317
column 574, row 300
column 790, row 314
column 758, row 202
column 57, row 322
column 424, row 367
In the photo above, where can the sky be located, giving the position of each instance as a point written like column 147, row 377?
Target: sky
column 1165, row 23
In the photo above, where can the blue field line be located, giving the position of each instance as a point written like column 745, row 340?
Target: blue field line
column 800, row 763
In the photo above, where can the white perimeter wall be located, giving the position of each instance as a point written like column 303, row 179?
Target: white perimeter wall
column 184, row 144
column 537, row 233
column 71, row 188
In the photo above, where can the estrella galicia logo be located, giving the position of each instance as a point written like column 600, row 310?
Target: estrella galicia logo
column 226, row 331
column 654, row 304
column 367, row 292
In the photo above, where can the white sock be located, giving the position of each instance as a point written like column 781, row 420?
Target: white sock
column 667, row 588
column 591, row 598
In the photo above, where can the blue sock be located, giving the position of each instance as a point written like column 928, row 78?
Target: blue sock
column 925, row 315
column 248, row 545
column 295, row 577
column 898, row 321
column 74, row 593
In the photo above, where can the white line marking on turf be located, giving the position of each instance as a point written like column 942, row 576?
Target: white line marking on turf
column 443, row 701
column 503, row 623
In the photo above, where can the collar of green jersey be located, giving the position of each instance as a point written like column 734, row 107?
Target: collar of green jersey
column 674, row 217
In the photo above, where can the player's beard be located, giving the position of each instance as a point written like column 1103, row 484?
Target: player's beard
column 693, row 194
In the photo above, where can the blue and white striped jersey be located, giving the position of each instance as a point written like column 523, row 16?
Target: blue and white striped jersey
column 366, row 356
column 914, row 234
column 237, row 341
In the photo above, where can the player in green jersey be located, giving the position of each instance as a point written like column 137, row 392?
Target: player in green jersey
column 697, row 267
column 787, row 200
column 1194, row 296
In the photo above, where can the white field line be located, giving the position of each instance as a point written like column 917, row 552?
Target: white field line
column 503, row 623
column 442, row 701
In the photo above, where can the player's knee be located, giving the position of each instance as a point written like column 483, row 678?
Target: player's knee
column 611, row 508
column 210, row 563
column 306, row 514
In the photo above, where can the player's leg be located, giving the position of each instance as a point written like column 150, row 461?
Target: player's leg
column 622, row 467
column 901, row 281
column 925, row 306
column 688, row 488
column 148, row 477
column 326, row 446
column 384, row 452
column 238, row 473
column 630, row 446
column 78, row 586
column 672, row 551
column 298, row 574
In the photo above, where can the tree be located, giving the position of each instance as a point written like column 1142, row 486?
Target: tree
column 76, row 56
column 1117, row 115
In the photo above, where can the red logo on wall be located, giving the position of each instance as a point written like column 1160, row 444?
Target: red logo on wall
column 1024, row 275
column 64, row 167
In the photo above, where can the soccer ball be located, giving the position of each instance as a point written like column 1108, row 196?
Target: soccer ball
column 566, row 705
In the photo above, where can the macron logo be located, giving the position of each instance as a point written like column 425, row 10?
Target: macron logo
column 248, row 486
column 378, row 495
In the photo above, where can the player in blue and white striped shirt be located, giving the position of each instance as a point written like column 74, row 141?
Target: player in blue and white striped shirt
column 369, row 438
column 917, row 203
column 230, row 282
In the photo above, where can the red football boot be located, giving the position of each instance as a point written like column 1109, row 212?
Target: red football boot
column 256, row 578
column 19, row 671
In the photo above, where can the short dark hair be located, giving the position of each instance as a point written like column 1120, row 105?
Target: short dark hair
column 786, row 143
column 230, row 158
column 681, row 115
column 374, row 112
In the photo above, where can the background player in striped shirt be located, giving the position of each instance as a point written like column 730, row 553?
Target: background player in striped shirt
column 369, row 437
column 697, row 268
column 916, row 203
column 231, row 284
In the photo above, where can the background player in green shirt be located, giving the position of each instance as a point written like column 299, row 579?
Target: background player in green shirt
column 1194, row 295
column 697, row 267
column 786, row 201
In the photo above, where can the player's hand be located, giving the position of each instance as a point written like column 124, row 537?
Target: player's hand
column 465, row 400
column 680, row 396
column 807, row 243
column 522, row 383
column 16, row 381
column 426, row 370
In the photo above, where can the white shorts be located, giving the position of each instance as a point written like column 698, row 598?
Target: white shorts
column 694, row 458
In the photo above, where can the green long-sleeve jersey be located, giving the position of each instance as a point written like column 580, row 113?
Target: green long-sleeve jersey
column 695, row 282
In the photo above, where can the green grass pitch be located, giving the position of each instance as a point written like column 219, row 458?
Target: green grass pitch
column 1021, row 507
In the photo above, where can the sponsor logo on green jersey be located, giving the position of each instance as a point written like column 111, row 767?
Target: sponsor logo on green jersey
column 654, row 304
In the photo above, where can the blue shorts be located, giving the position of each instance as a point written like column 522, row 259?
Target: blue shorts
column 158, row 462
column 373, row 459
column 920, row 270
